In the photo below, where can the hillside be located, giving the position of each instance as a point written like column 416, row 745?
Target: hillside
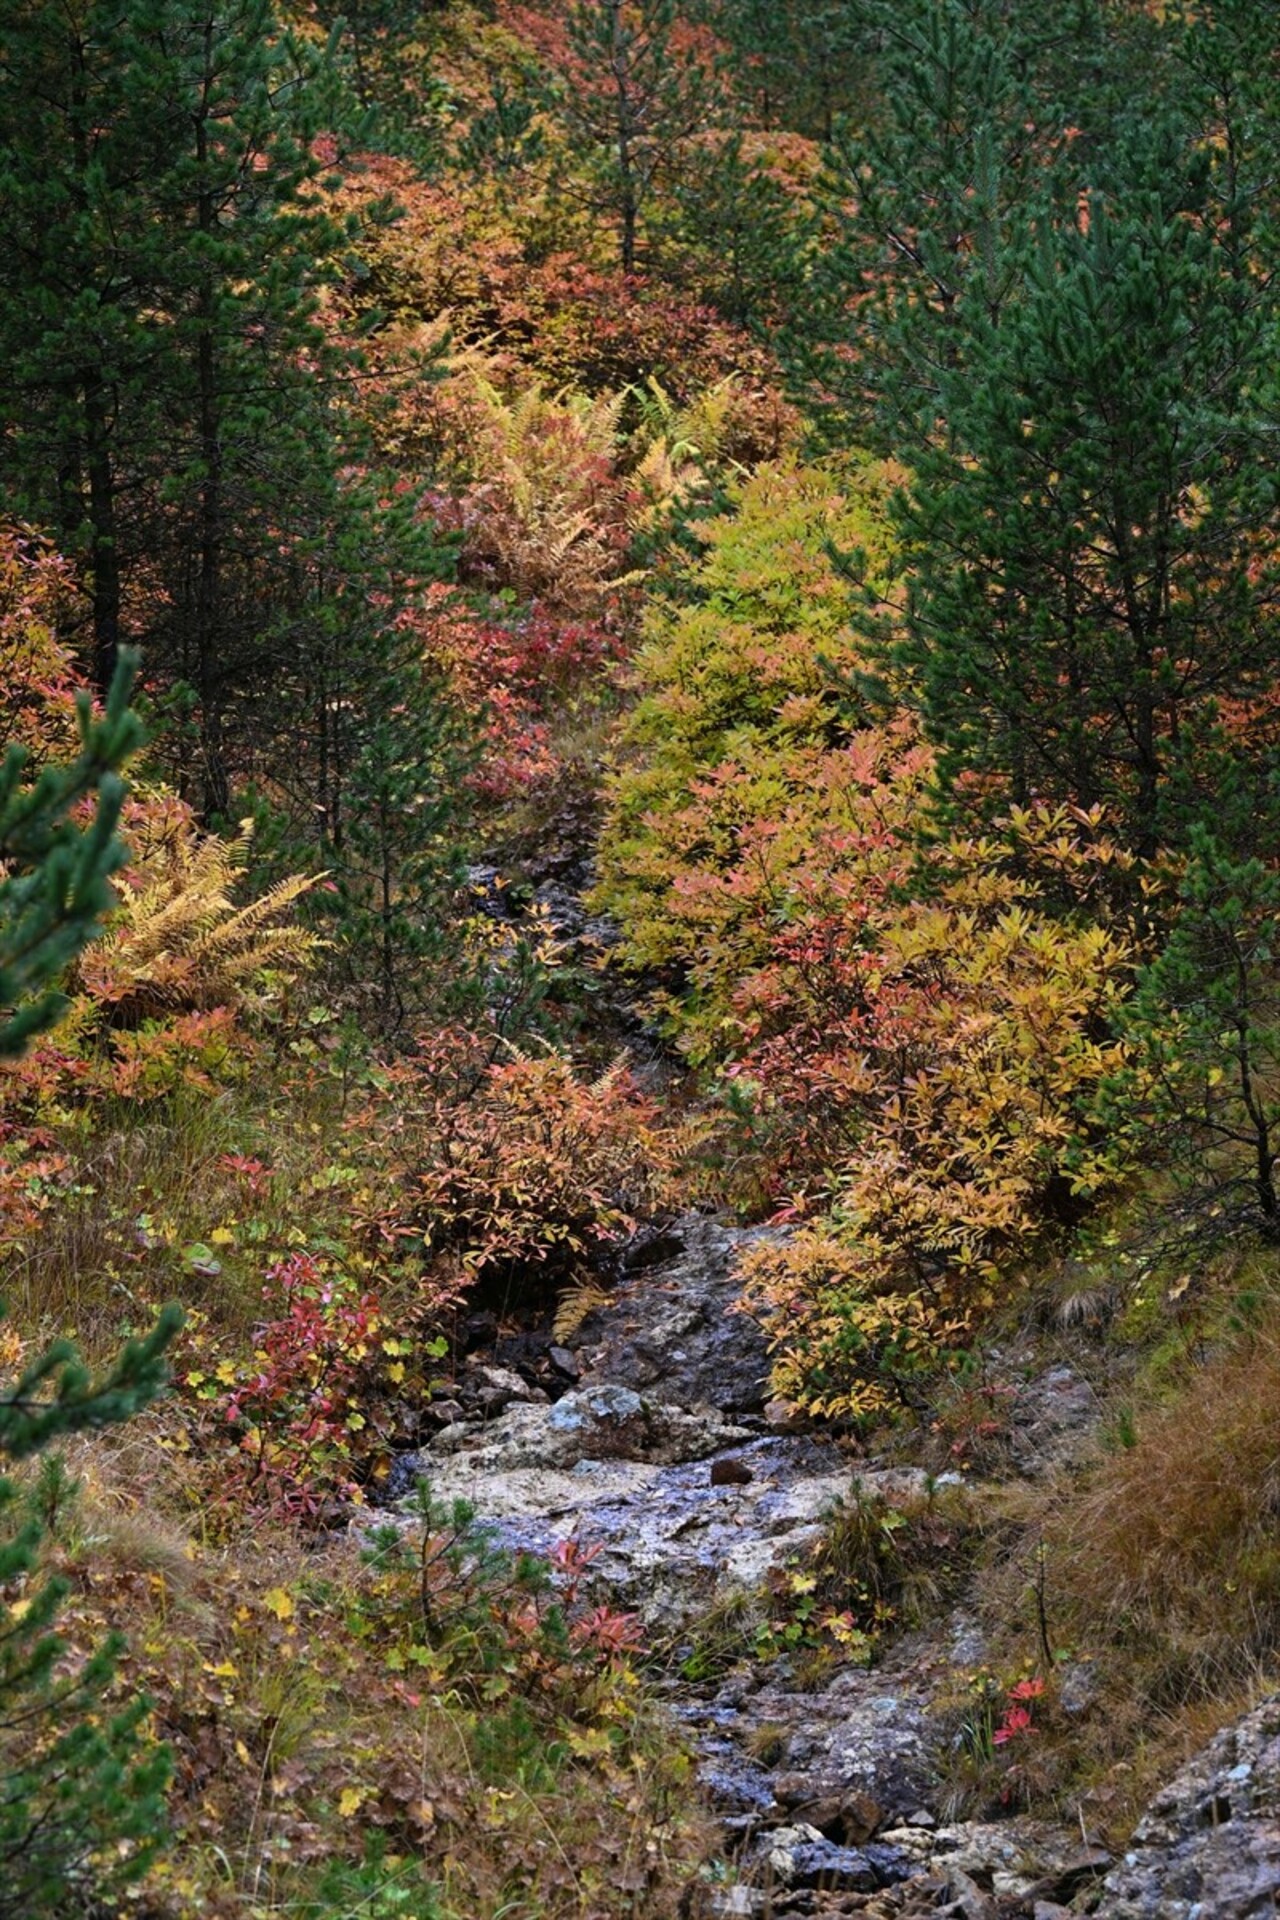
column 639, row 861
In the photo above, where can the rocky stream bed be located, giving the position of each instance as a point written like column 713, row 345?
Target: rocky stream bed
column 649, row 1436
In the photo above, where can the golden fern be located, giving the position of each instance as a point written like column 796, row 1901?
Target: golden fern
column 178, row 942
column 576, row 1306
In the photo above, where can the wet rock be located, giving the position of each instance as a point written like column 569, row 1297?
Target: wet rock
column 631, row 1477
column 800, row 1856
column 1209, row 1844
column 1053, row 1418
column 1019, row 1860
column 672, row 1331
column 650, row 1247
column 780, row 1846
column 601, row 1405
column 882, row 1744
column 735, row 1785
column 497, row 1387
column 663, row 1453
column 730, row 1472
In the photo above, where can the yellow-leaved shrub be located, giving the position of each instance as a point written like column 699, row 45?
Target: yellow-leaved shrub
column 912, row 1027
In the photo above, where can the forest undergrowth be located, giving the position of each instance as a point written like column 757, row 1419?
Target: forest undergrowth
column 705, row 580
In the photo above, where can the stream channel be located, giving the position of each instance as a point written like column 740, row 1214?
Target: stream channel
column 650, row 1437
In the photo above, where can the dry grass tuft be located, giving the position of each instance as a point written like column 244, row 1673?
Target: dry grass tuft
column 1158, row 1579
column 1176, row 1540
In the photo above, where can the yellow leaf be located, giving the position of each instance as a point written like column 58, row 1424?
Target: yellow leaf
column 222, row 1237
column 350, row 1801
column 278, row 1602
column 396, row 1373
column 226, row 1372
column 243, row 1754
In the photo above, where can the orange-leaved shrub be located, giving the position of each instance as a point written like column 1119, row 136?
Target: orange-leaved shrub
column 521, row 1166
column 40, row 681
column 926, row 1051
column 518, row 668
column 165, row 1000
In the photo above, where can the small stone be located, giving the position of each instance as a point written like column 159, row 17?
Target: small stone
column 606, row 1405
column 733, row 1902
column 480, row 1330
column 612, row 1402
column 782, row 1846
column 445, row 1413
column 501, row 1386
column 731, row 1473
column 782, row 1416
column 861, row 1818
column 564, row 1362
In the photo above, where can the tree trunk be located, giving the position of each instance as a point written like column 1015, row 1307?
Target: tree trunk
column 217, row 793
column 104, row 554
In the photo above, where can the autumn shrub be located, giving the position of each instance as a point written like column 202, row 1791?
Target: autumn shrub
column 737, row 688
column 543, row 309
column 179, row 940
column 525, row 1168
column 912, row 1026
column 36, row 670
column 165, row 1007
column 943, row 1056
column 537, row 505
column 521, row 667
column 549, row 490
column 304, row 1413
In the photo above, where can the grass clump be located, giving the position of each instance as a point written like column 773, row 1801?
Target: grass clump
column 1143, row 1596
column 411, row 1723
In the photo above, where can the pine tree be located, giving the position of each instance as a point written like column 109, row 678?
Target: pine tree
column 81, row 1789
column 393, row 842
column 747, row 237
column 55, row 872
column 82, row 339
column 800, row 63
column 925, row 200
column 164, row 389
column 628, row 101
column 1092, row 532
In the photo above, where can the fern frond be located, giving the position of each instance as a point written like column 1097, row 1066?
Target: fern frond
column 575, row 1307
column 178, row 942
